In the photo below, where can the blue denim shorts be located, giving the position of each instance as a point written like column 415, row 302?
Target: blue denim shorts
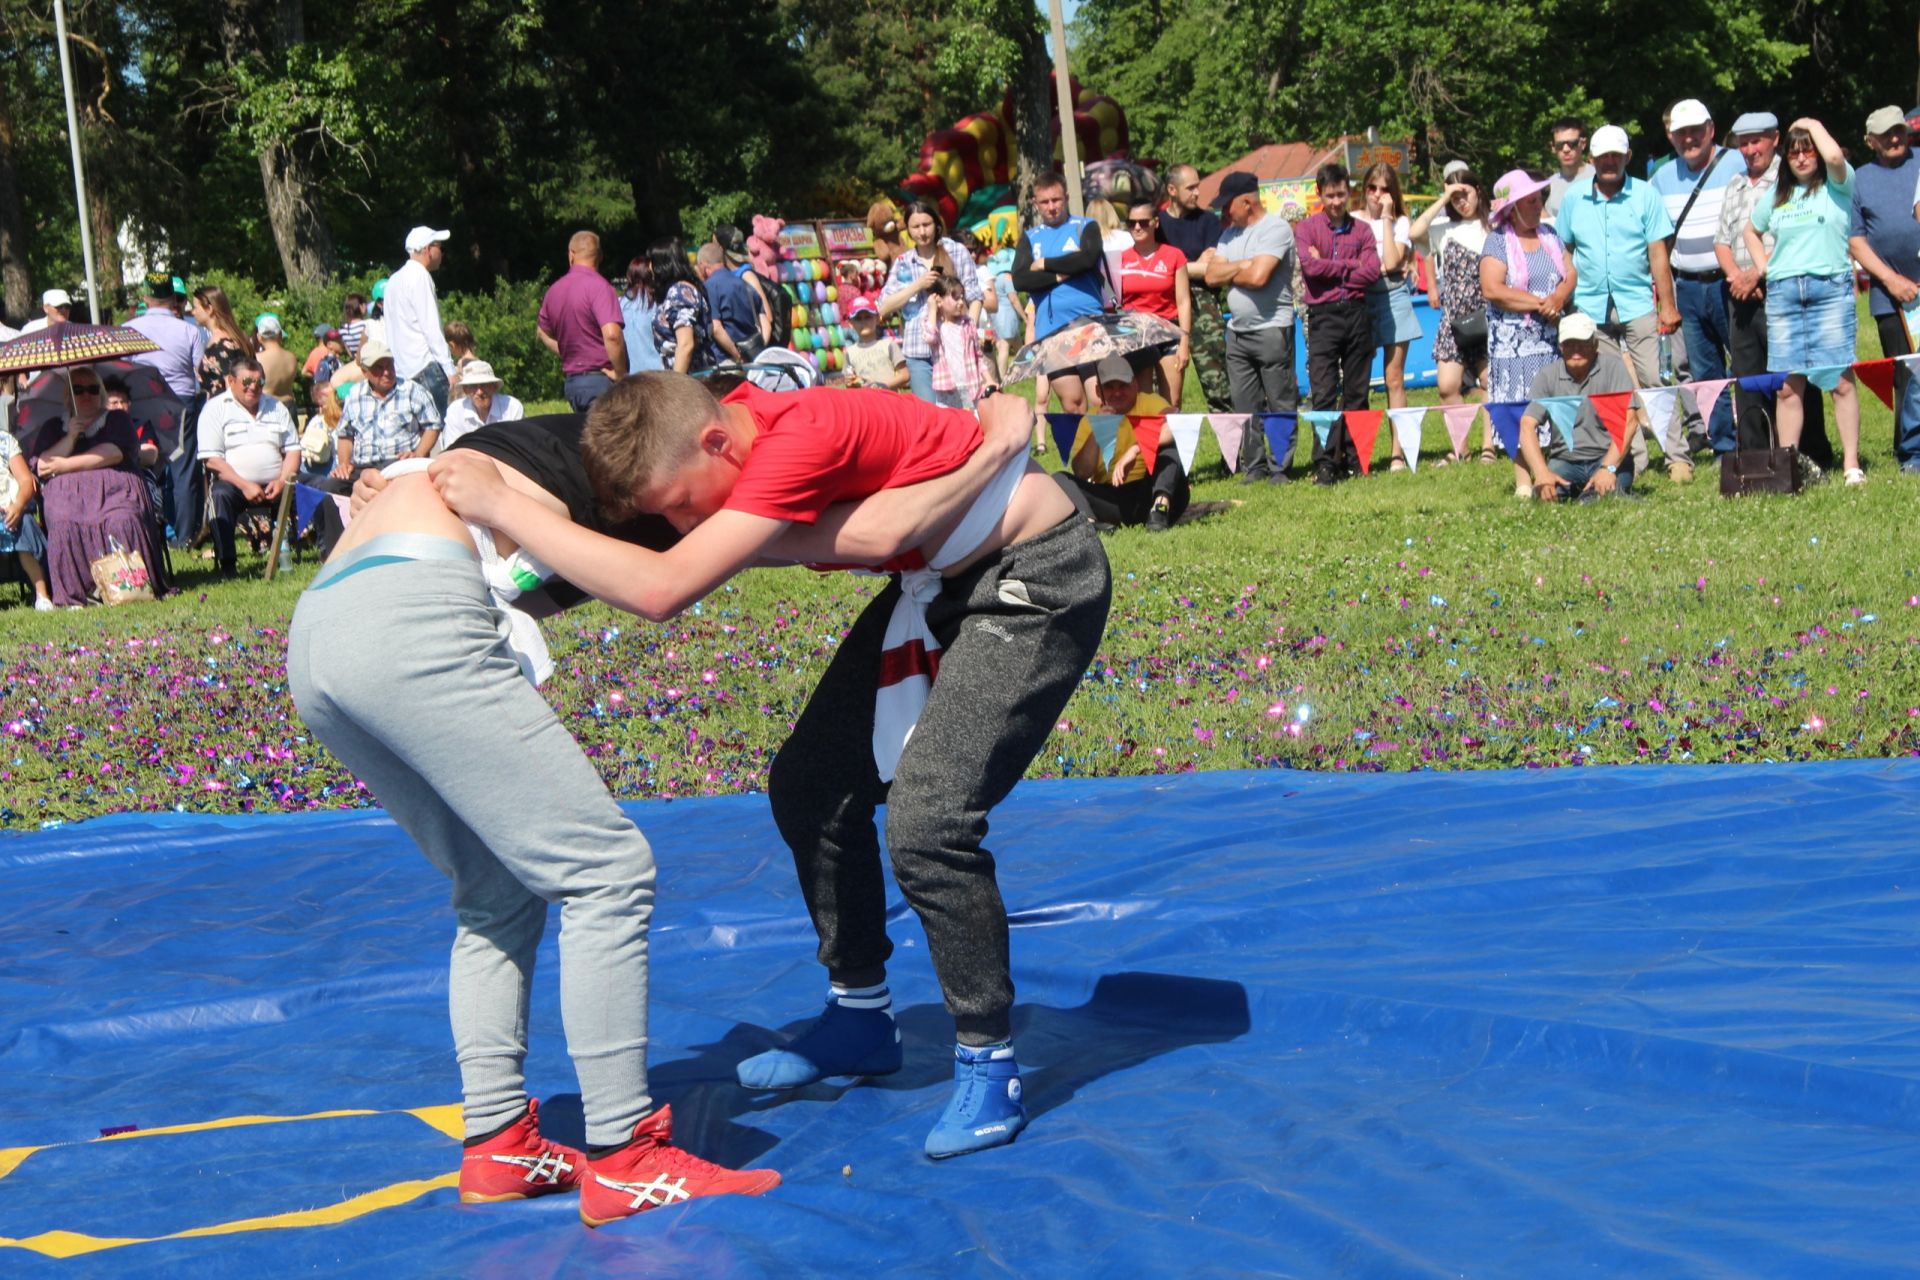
column 1810, row 322
column 1391, row 310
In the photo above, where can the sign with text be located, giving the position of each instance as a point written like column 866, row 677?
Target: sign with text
column 847, row 239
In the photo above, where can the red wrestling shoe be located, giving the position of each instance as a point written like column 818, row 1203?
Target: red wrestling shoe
column 517, row 1163
column 650, row 1172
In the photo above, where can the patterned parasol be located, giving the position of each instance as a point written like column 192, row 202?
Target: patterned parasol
column 153, row 401
column 1087, row 342
column 65, row 343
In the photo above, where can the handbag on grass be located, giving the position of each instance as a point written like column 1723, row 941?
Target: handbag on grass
column 121, row 575
column 1768, row 470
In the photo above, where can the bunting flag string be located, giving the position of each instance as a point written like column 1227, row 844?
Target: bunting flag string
column 1706, row 394
column 1322, row 420
column 1459, row 419
column 1763, row 384
column 1228, row 429
column 1505, row 416
column 1106, row 434
column 1614, row 408
column 1563, row 412
column 1146, row 434
column 1877, row 377
column 1280, row 429
column 1657, row 403
column 1185, row 430
column 1364, row 426
column 1826, row 376
column 1406, row 430
column 1063, row 427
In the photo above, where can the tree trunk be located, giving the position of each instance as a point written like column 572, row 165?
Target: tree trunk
column 16, row 277
column 101, row 222
column 261, row 31
column 1033, row 109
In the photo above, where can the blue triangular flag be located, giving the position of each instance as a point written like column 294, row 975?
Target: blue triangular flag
column 306, row 502
column 1280, row 428
column 1505, row 416
column 1826, row 376
column 1106, row 433
column 1064, row 426
column 1763, row 384
column 1563, row 412
column 1322, row 420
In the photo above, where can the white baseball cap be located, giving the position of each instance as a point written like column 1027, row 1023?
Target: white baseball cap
column 420, row 237
column 1609, row 140
column 1688, row 112
column 56, row 298
column 1577, row 327
column 267, row 325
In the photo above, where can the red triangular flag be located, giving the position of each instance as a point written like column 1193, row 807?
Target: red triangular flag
column 1877, row 375
column 1146, row 434
column 1364, row 426
column 1613, row 408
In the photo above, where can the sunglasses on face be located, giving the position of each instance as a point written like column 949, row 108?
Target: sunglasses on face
column 250, row 383
column 86, row 389
column 1802, row 149
column 1140, row 222
column 1382, row 190
column 1567, row 144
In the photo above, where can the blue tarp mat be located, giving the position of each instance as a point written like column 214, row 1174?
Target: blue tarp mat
column 1599, row 1021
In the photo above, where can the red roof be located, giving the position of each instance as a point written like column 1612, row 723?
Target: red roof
column 1277, row 160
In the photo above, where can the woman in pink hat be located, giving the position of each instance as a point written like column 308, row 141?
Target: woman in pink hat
column 1527, row 277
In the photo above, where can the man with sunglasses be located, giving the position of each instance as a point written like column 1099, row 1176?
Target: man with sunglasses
column 1567, row 139
column 1885, row 241
column 1193, row 229
column 248, row 442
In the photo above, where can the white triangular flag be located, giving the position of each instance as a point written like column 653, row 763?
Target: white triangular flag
column 1185, row 429
column 1406, row 429
column 1659, row 404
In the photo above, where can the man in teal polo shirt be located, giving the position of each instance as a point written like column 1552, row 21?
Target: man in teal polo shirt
column 1617, row 228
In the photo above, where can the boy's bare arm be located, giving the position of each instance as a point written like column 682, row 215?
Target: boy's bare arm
column 653, row 584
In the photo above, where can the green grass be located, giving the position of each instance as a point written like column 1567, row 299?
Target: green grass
column 1402, row 621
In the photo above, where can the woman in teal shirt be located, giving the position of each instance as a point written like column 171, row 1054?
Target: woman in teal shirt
column 1809, row 281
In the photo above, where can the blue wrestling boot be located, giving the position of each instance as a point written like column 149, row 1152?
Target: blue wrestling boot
column 985, row 1109
column 856, row 1036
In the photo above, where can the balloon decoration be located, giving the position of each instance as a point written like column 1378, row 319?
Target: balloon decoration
column 979, row 151
column 821, row 270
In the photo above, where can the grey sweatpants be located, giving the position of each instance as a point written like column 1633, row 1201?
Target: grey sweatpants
column 1017, row 632
column 402, row 671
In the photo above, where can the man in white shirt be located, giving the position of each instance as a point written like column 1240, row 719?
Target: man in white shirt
column 248, row 442
column 414, row 333
column 480, row 403
column 56, row 305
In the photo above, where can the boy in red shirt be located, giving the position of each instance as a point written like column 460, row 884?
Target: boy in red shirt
column 1007, row 609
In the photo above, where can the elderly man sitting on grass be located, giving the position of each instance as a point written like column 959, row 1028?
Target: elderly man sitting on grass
column 1589, row 465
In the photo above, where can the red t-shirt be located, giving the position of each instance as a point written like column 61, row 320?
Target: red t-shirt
column 1146, row 284
column 829, row 444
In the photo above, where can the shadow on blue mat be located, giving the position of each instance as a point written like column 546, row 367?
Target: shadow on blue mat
column 1131, row 1019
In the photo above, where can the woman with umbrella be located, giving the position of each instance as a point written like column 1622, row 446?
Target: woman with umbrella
column 87, row 464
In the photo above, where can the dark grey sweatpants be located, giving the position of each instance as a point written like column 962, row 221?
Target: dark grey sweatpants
column 403, row 672
column 1017, row 632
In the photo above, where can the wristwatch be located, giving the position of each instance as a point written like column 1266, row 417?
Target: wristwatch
column 1611, row 468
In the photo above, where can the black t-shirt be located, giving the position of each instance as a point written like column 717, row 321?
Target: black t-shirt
column 546, row 450
column 1193, row 233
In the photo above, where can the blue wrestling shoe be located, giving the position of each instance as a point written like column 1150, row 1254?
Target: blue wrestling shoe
column 985, row 1109
column 856, row 1036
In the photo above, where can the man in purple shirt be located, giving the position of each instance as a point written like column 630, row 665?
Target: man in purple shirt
column 581, row 322
column 182, row 344
column 1338, row 260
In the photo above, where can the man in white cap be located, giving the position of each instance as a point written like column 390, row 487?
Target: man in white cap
column 1618, row 228
column 56, row 305
column 1693, row 186
column 1885, row 241
column 413, row 330
column 281, row 366
column 1584, row 462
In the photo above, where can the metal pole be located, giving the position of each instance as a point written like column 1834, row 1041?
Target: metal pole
column 1063, row 97
column 73, row 136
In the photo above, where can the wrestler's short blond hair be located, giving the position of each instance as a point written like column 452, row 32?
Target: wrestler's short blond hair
column 639, row 431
